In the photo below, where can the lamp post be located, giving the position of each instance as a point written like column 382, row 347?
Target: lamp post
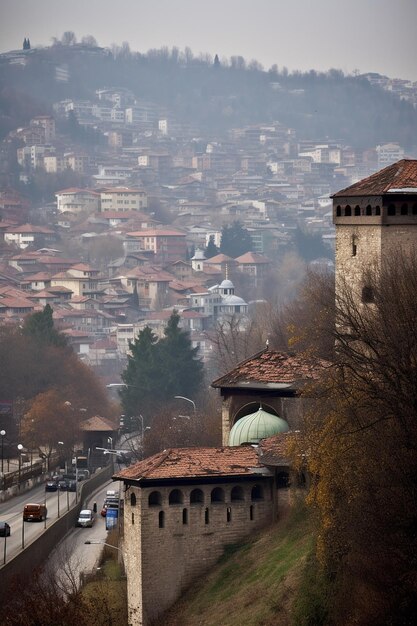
column 3, row 434
column 102, row 543
column 188, row 400
column 19, row 449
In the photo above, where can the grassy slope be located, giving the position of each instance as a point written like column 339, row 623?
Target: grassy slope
column 253, row 584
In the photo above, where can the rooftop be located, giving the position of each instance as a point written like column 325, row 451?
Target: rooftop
column 400, row 177
column 272, row 369
column 176, row 463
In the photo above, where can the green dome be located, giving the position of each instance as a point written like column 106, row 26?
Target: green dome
column 256, row 426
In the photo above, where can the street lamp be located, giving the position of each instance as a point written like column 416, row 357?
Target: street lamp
column 188, row 400
column 102, row 543
column 3, row 434
column 20, row 448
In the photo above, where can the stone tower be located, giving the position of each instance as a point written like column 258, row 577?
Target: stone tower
column 374, row 217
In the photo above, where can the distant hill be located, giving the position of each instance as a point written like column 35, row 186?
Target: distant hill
column 212, row 97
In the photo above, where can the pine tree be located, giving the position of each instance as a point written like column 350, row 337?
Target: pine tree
column 183, row 370
column 40, row 327
column 211, row 249
column 235, row 240
column 25, row 44
column 216, row 61
column 142, row 375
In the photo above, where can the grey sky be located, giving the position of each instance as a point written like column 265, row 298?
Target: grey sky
column 368, row 35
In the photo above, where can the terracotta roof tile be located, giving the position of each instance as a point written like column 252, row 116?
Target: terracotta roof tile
column 399, row 176
column 194, row 463
column 269, row 368
column 98, row 423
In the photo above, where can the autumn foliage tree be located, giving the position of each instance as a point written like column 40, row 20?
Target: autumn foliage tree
column 361, row 449
column 36, row 360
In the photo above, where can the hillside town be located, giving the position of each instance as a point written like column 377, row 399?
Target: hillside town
column 141, row 233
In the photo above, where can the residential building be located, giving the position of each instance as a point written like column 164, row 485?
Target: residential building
column 123, row 199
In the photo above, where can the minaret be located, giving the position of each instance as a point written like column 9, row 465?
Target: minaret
column 374, row 217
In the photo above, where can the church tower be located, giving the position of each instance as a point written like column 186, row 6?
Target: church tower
column 374, row 217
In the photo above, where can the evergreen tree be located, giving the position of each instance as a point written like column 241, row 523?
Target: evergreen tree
column 28, row 44
column 40, row 327
column 235, row 240
column 183, row 371
column 216, row 61
column 211, row 249
column 157, row 371
column 25, row 44
column 142, row 375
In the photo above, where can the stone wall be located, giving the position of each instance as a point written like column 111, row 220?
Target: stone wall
column 168, row 544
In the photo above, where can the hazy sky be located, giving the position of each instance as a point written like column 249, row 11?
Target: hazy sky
column 368, row 35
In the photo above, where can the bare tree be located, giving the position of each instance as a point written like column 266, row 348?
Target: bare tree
column 361, row 446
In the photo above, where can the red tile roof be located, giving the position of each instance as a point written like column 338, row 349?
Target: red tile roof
column 253, row 259
column 272, row 369
column 178, row 463
column 399, row 176
column 98, row 423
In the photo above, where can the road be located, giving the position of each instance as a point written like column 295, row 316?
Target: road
column 72, row 557
column 23, row 533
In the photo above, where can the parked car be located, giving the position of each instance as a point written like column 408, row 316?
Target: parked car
column 4, row 529
column 86, row 518
column 51, row 485
column 72, row 485
column 83, row 474
column 62, row 485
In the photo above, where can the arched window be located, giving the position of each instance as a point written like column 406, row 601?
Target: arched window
column 196, row 496
column 228, row 514
column 391, row 209
column 132, row 499
column 217, row 495
column 206, row 516
column 367, row 294
column 176, row 497
column 161, row 519
column 404, row 209
column 155, row 499
column 357, row 210
column 348, row 211
column 257, row 493
column 185, row 516
column 377, row 210
column 237, row 494
column 338, row 211
column 368, row 210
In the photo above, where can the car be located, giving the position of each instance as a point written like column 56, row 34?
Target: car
column 62, row 485
column 51, row 485
column 72, row 485
column 4, row 529
column 83, row 474
column 86, row 518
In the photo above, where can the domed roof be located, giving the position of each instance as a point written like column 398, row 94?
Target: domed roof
column 226, row 284
column 233, row 300
column 256, row 426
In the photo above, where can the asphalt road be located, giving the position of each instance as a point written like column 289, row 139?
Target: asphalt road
column 73, row 557
column 23, row 533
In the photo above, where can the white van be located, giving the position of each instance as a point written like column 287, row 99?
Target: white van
column 86, row 518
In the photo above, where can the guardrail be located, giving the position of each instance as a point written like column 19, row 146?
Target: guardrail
column 26, row 472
